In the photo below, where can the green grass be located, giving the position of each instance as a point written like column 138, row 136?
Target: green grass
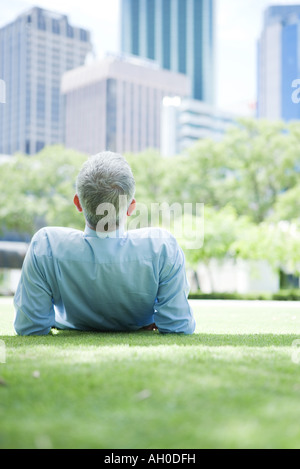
column 232, row 384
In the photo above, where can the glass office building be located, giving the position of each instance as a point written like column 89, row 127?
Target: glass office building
column 279, row 63
column 35, row 50
column 178, row 34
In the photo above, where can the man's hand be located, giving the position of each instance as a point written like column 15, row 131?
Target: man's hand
column 151, row 327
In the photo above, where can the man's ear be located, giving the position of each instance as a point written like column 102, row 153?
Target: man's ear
column 131, row 208
column 77, row 203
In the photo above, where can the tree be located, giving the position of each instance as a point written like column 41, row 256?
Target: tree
column 198, row 176
column 277, row 243
column 287, row 205
column 222, row 228
column 39, row 190
column 149, row 171
column 249, row 169
column 262, row 159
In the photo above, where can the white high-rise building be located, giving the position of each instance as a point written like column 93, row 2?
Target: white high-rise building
column 185, row 121
column 115, row 104
column 35, row 50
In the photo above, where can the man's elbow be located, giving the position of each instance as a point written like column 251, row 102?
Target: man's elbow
column 190, row 327
column 32, row 331
column 187, row 328
column 24, row 324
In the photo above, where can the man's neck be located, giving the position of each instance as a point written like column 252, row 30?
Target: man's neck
column 104, row 234
column 101, row 231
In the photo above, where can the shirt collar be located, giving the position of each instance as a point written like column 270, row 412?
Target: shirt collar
column 103, row 235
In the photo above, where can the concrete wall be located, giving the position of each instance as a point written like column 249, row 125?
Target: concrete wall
column 237, row 276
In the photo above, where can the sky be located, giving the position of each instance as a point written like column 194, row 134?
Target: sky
column 238, row 27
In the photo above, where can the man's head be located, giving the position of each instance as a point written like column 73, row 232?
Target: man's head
column 105, row 191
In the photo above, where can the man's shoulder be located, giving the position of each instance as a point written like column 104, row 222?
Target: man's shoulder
column 57, row 231
column 53, row 236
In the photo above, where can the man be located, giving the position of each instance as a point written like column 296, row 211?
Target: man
column 104, row 278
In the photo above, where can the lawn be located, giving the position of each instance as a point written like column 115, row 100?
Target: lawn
column 233, row 384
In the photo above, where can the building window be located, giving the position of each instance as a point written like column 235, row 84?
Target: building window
column 166, row 34
column 70, row 65
column 40, row 102
column 39, row 146
column 41, row 23
column 55, row 104
column 150, row 5
column 28, row 106
column 111, row 114
column 135, row 15
column 70, row 31
column 83, row 35
column 55, row 27
column 182, row 32
column 198, row 52
column 27, row 147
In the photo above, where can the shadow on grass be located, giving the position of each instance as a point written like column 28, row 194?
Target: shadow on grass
column 144, row 339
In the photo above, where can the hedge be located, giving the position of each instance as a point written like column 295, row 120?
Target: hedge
column 282, row 295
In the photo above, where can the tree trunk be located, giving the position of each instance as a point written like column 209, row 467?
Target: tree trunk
column 210, row 276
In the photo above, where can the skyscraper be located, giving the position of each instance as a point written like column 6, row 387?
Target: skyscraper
column 279, row 63
column 178, row 34
column 35, row 50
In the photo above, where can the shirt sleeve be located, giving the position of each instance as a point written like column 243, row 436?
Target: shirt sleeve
column 33, row 299
column 172, row 312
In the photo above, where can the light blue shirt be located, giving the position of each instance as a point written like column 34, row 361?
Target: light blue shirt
column 77, row 280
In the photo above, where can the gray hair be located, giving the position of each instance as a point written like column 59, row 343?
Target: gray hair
column 105, row 182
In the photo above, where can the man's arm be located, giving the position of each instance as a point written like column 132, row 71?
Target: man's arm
column 33, row 299
column 172, row 312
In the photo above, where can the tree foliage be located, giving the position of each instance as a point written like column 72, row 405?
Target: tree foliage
column 38, row 190
column 261, row 162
